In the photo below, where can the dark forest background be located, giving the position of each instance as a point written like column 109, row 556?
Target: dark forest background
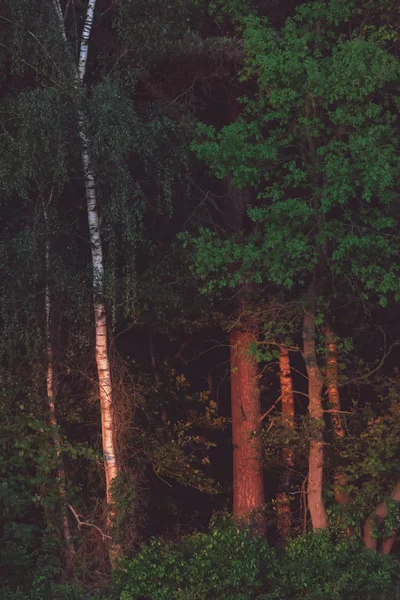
column 199, row 390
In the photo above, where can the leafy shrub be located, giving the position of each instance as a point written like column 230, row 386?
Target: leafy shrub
column 232, row 564
column 316, row 567
column 227, row 563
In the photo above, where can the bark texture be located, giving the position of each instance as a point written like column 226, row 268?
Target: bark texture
column 341, row 496
column 376, row 519
column 288, row 413
column 248, row 481
column 100, row 314
column 332, row 381
column 316, row 506
column 248, row 485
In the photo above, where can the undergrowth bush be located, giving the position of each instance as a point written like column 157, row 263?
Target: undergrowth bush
column 228, row 563
column 232, row 564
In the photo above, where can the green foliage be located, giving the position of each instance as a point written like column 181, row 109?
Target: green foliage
column 230, row 563
column 321, row 126
column 234, row 10
column 175, row 447
column 36, row 123
column 318, row 567
column 30, row 568
column 317, row 141
column 372, row 452
column 152, row 28
column 128, row 148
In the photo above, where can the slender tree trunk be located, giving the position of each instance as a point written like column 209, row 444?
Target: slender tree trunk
column 100, row 315
column 332, row 381
column 288, row 413
column 377, row 518
column 248, row 484
column 341, row 495
column 100, row 311
column 316, row 506
column 50, row 388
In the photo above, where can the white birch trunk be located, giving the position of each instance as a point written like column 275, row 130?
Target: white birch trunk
column 102, row 359
column 50, row 388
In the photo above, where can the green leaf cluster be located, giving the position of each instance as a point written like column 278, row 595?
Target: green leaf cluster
column 232, row 563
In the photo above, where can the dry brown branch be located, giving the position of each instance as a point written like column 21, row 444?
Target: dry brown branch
column 262, row 417
column 336, row 411
column 81, row 523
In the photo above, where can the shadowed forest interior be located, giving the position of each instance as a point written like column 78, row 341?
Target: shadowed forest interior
column 199, row 299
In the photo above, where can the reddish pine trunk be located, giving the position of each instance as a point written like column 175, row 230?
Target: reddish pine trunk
column 287, row 402
column 341, row 495
column 248, row 485
column 316, row 506
column 248, row 481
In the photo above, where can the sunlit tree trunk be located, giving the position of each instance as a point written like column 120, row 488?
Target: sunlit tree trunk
column 100, row 311
column 377, row 518
column 288, row 412
column 248, row 482
column 332, row 386
column 248, row 485
column 316, row 506
column 51, row 394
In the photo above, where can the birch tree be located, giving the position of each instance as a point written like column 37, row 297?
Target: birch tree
column 99, row 305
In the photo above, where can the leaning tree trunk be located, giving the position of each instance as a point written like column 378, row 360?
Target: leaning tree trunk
column 100, row 311
column 341, row 496
column 50, row 388
column 376, row 519
column 248, row 484
column 316, row 506
column 288, row 412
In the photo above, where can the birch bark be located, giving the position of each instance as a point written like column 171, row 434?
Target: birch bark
column 100, row 311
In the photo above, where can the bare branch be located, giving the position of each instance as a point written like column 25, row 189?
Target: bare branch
column 385, row 355
column 81, row 523
column 271, row 408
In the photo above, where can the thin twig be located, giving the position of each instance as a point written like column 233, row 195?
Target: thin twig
column 271, row 408
column 377, row 368
column 342, row 412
